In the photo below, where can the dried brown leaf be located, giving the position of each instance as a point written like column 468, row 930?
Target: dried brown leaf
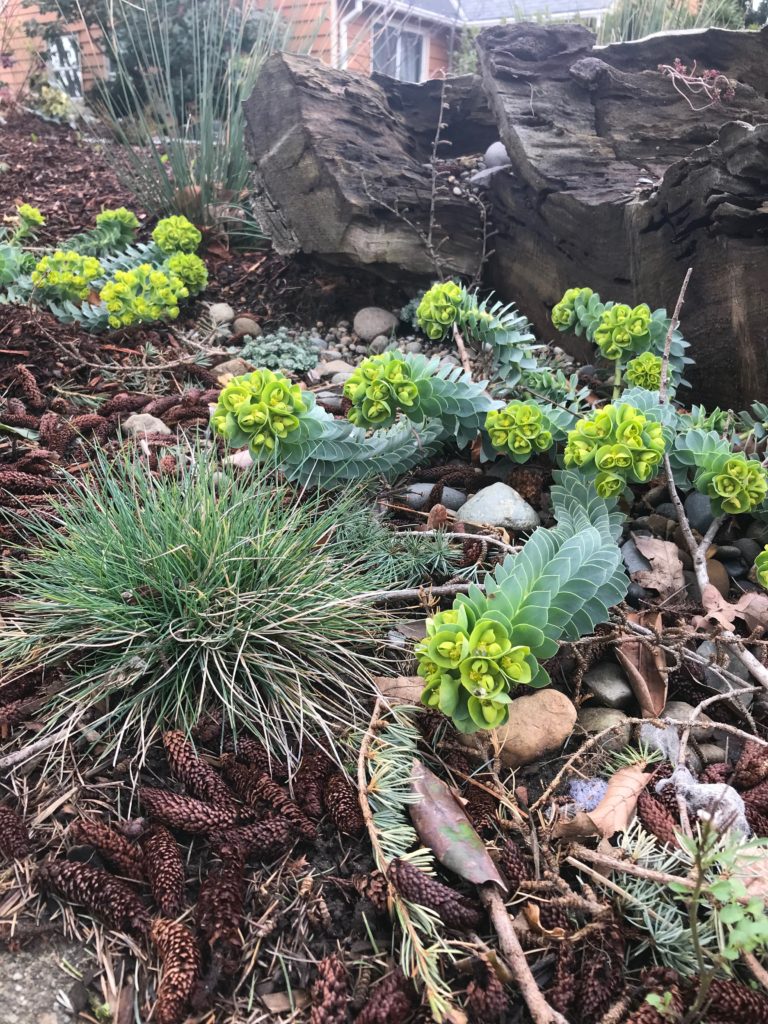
column 614, row 812
column 717, row 611
column 666, row 573
column 406, row 689
column 645, row 666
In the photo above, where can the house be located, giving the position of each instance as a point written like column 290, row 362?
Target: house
column 412, row 40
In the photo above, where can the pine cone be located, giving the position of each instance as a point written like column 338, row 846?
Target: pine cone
column 181, row 968
column 668, row 796
column 752, row 767
column 552, row 916
column 715, row 773
column 114, row 847
column 417, row 886
column 28, row 386
column 194, row 774
column 528, row 481
column 263, row 839
column 757, row 797
column 184, row 813
column 343, row 805
column 330, row 992
column 730, row 1002
column 220, row 912
column 562, row 995
column 310, row 782
column 487, row 1001
column 647, row 1014
column 256, row 787
column 655, row 818
column 373, row 887
column 91, row 423
column 103, row 895
column 481, row 807
column 392, row 1000
column 513, row 865
column 123, row 402
column 254, row 754
column 165, row 870
column 14, row 836
column 602, row 975
column 56, row 433
column 24, row 483
column 757, row 822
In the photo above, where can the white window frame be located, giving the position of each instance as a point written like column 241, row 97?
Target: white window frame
column 400, row 28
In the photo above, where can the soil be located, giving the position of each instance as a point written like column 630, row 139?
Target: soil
column 34, row 986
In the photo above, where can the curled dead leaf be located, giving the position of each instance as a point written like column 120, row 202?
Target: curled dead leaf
column 403, row 689
column 666, row 573
column 645, row 666
column 614, row 812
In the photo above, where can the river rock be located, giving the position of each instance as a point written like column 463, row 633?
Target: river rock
column 539, row 724
column 496, row 155
column 610, row 687
column 416, row 496
column 141, row 423
column 379, row 344
column 711, row 753
column 698, row 509
column 233, row 368
column 221, row 313
column 372, row 321
column 330, row 368
column 499, row 505
column 708, row 650
column 594, row 720
column 681, row 711
column 247, row 325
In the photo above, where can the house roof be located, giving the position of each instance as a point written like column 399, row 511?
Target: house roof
column 490, row 12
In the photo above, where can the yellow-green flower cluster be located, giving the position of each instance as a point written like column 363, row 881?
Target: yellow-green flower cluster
column 733, row 483
column 645, row 371
column 65, row 276
column 378, row 389
column 617, row 444
column 520, row 429
column 622, row 328
column 761, row 567
column 258, row 409
column 190, row 269
column 30, row 215
column 176, row 234
column 470, row 667
column 439, row 308
column 121, row 216
column 564, row 314
column 142, row 295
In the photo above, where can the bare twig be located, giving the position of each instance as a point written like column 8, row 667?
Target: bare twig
column 538, row 1007
column 462, row 350
column 674, row 323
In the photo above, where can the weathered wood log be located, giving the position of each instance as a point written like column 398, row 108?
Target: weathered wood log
column 342, row 172
column 620, row 183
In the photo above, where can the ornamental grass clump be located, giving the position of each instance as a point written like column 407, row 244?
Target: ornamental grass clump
column 616, row 446
column 159, row 598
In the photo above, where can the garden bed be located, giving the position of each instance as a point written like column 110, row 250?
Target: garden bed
column 192, row 832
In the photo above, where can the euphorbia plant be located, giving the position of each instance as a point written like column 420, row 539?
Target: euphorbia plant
column 492, row 641
column 525, row 428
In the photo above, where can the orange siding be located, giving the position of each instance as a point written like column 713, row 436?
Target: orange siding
column 359, row 36
column 310, row 22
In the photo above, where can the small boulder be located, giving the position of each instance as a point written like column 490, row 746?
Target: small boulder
column 141, row 423
column 379, row 344
column 331, row 367
column 232, row 368
column 496, row 155
column 221, row 313
column 711, row 753
column 247, row 325
column 610, row 687
column 499, row 505
column 539, row 724
column 416, row 495
column 372, row 321
column 594, row 720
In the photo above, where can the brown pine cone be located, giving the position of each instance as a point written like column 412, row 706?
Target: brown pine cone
column 193, row 772
column 487, row 1001
column 14, row 836
column 602, row 975
column 124, row 402
column 256, row 787
column 25, row 483
column 655, row 818
column 667, row 797
column 15, row 711
column 757, row 797
column 513, row 865
column 715, row 773
column 659, row 980
column 310, row 782
column 552, row 916
column 110, row 899
column 92, row 423
column 180, row 955
column 757, row 822
column 29, row 388
column 455, row 910
column 165, row 870
column 263, row 839
column 392, row 1000
column 529, row 482
column 185, row 813
column 220, row 912
column 343, row 805
column 56, row 433
column 731, row 1002
column 114, row 847
column 752, row 766
column 562, row 995
column 373, row 887
column 330, row 992
column 481, row 806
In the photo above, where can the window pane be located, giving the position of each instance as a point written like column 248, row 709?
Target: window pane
column 411, row 47
column 385, row 50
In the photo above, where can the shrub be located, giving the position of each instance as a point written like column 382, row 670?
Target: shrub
column 65, row 276
column 142, row 295
column 176, row 234
column 161, row 598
